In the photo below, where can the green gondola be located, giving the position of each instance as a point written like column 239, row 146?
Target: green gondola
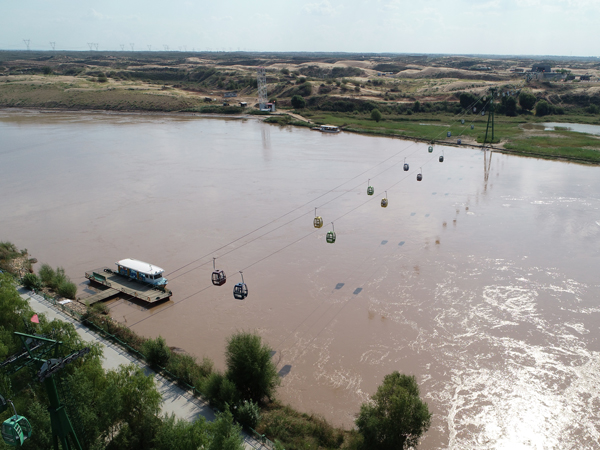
column 331, row 235
column 16, row 429
column 430, row 149
column 370, row 189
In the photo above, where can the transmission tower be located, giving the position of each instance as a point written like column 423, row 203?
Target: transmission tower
column 91, row 46
column 149, row 48
column 166, row 48
column 53, row 45
column 490, row 117
column 96, row 46
column 122, row 47
column 132, row 46
column 26, row 43
column 185, row 48
column 261, row 76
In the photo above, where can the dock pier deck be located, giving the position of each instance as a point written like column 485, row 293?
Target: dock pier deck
column 118, row 284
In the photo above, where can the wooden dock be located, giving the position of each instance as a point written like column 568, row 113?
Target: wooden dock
column 115, row 284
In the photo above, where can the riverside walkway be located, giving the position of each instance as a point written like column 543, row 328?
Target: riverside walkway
column 177, row 401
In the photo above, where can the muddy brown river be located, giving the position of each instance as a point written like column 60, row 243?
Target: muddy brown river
column 481, row 280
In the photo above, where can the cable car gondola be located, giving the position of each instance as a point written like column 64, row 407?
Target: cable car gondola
column 240, row 290
column 318, row 222
column 15, row 429
column 420, row 174
column 370, row 189
column 441, row 158
column 462, row 121
column 405, row 165
column 331, row 235
column 430, row 148
column 384, row 201
column 472, row 126
column 218, row 276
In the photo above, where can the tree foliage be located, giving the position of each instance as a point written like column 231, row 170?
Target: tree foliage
column 157, row 352
column 376, row 115
column 250, row 368
column 527, row 101
column 298, row 102
column 542, row 108
column 397, row 417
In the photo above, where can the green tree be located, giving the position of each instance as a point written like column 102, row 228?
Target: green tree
column 298, row 102
column 225, row 434
column 467, row 100
column 376, row 115
column 417, row 106
column 157, row 352
column 542, row 108
column 250, row 368
column 511, row 106
column 396, row 418
column 32, row 281
column 527, row 101
column 181, row 435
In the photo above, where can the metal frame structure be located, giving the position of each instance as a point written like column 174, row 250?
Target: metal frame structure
column 261, row 77
column 43, row 353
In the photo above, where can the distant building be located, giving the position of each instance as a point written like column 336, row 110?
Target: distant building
column 546, row 68
column 230, row 94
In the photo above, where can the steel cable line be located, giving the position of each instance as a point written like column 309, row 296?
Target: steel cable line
column 311, row 201
column 307, row 235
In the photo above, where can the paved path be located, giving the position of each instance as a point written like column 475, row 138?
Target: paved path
column 175, row 400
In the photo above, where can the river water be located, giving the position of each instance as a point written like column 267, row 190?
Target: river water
column 481, row 280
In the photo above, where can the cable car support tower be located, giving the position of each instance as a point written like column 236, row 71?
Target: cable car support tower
column 490, row 117
column 43, row 353
column 261, row 78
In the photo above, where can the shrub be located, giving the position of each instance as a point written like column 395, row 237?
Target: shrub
column 249, row 366
column 100, row 308
column 376, row 115
column 67, row 289
column 285, row 71
column 47, row 70
column 542, row 108
column 32, row 281
column 156, row 351
column 248, row 414
column 527, row 101
column 220, row 391
column 298, row 102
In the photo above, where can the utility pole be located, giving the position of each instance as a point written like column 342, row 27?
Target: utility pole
column 53, row 45
column 490, row 117
column 27, row 43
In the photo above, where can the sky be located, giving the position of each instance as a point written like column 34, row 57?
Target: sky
column 494, row 27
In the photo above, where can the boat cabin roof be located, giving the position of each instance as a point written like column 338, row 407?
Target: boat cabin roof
column 330, row 127
column 140, row 266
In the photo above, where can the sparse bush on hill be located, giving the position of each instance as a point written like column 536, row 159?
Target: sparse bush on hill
column 298, row 102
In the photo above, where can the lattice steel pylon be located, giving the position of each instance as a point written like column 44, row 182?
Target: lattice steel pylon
column 43, row 353
column 261, row 76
